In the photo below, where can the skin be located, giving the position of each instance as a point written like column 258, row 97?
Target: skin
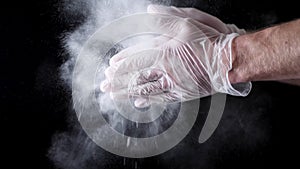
column 270, row 54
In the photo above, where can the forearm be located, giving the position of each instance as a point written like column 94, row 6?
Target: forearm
column 270, row 54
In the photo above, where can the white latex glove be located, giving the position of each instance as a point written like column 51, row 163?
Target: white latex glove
column 189, row 61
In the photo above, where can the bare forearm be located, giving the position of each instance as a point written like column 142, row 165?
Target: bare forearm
column 270, row 54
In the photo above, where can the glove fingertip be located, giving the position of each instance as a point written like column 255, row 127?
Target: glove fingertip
column 104, row 86
column 151, row 8
column 156, row 8
column 141, row 103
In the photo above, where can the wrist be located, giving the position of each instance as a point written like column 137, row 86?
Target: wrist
column 238, row 74
column 226, row 86
column 232, row 76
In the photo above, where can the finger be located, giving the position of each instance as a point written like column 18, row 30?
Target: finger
column 109, row 72
column 142, row 102
column 105, row 86
column 193, row 13
column 143, row 87
column 148, row 88
column 137, row 62
column 147, row 75
column 143, row 90
column 135, row 78
column 194, row 29
column 145, row 101
column 151, row 44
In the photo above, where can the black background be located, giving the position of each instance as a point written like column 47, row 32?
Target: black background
column 259, row 131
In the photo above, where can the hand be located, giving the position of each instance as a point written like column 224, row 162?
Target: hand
column 189, row 61
column 197, row 15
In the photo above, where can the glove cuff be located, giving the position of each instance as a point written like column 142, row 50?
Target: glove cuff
column 239, row 89
column 234, row 29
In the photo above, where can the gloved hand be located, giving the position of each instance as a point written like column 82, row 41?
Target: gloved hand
column 197, row 15
column 190, row 60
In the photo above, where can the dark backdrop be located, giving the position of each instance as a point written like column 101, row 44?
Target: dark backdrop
column 259, row 131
